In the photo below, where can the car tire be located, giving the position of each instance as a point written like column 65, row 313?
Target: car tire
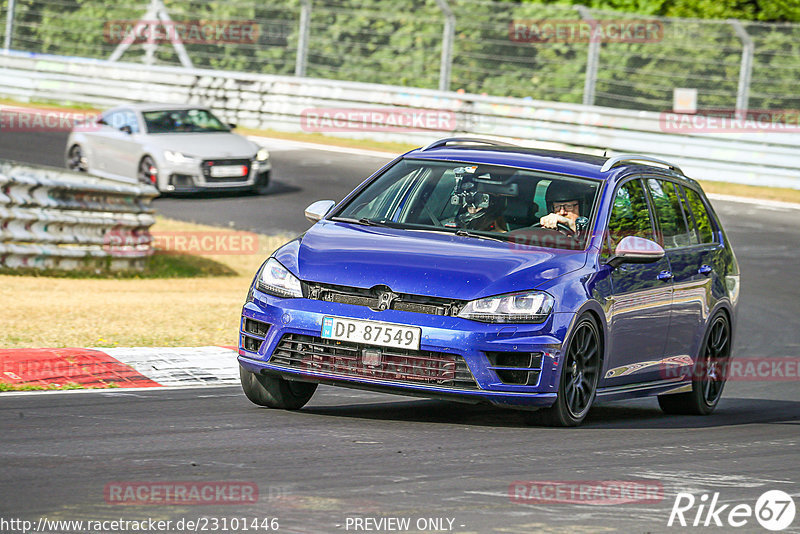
column 76, row 161
column 147, row 173
column 708, row 375
column 261, row 185
column 580, row 374
column 275, row 392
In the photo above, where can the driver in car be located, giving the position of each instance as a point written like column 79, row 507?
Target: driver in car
column 564, row 205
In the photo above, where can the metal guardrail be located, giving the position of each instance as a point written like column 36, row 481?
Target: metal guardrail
column 54, row 219
column 521, row 49
column 263, row 101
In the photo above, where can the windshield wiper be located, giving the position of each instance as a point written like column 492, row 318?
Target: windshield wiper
column 466, row 233
column 366, row 221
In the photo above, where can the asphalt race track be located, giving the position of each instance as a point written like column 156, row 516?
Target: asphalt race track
column 356, row 454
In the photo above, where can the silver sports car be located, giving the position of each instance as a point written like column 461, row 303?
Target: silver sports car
column 175, row 148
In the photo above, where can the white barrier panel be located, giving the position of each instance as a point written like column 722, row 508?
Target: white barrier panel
column 765, row 157
column 58, row 219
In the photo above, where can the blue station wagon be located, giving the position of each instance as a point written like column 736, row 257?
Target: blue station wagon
column 478, row 271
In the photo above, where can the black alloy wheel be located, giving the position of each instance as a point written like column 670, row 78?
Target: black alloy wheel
column 709, row 373
column 580, row 375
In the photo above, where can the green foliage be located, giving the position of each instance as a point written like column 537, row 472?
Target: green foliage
column 765, row 10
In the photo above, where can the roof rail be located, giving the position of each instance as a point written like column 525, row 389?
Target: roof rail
column 616, row 160
column 468, row 140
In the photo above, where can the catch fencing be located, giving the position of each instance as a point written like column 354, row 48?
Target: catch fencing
column 54, row 219
column 514, row 49
column 765, row 156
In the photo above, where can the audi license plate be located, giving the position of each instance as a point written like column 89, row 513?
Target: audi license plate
column 371, row 332
column 228, row 171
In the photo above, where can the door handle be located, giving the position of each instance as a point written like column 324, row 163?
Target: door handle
column 705, row 269
column 665, row 275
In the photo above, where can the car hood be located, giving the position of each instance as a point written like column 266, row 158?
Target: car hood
column 422, row 263
column 205, row 145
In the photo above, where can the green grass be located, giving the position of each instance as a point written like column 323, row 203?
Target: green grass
column 159, row 265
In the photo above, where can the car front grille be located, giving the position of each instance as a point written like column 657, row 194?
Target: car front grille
column 316, row 354
column 381, row 298
column 207, row 164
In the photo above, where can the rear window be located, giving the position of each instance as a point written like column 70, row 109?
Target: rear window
column 705, row 230
column 672, row 222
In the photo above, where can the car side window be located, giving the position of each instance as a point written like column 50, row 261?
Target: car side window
column 129, row 119
column 630, row 215
column 112, row 120
column 669, row 213
column 121, row 118
column 701, row 218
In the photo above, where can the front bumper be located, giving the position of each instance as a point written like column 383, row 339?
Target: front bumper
column 189, row 177
column 470, row 340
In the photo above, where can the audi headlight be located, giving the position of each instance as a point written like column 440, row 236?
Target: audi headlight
column 523, row 307
column 262, row 154
column 276, row 280
column 178, row 157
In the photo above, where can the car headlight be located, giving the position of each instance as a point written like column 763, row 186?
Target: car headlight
column 178, row 157
column 262, row 154
column 276, row 280
column 524, row 307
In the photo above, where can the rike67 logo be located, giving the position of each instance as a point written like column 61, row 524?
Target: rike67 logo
column 774, row 510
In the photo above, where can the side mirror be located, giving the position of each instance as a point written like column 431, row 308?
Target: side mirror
column 232, row 125
column 634, row 249
column 127, row 129
column 318, row 210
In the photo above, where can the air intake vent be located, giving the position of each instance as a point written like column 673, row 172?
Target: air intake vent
column 256, row 328
column 516, row 368
column 251, row 344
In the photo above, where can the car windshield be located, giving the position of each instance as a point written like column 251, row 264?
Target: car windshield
column 481, row 201
column 182, row 120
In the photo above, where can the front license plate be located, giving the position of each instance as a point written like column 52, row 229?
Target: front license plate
column 227, row 171
column 371, row 332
